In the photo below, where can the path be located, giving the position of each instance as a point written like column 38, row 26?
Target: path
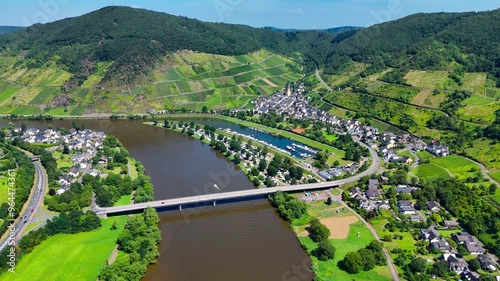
column 390, row 263
column 484, row 171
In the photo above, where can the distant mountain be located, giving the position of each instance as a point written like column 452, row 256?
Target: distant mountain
column 426, row 41
column 133, row 40
column 340, row 29
column 334, row 30
column 8, row 29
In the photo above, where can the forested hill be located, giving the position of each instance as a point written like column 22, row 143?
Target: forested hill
column 8, row 29
column 135, row 38
column 426, row 41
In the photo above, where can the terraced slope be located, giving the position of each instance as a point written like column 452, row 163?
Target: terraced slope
column 184, row 79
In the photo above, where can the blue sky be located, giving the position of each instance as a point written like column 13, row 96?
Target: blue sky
column 299, row 14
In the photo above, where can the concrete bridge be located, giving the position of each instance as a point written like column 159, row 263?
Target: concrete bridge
column 224, row 197
column 215, row 198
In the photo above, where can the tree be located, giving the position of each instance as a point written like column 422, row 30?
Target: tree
column 369, row 261
column 318, row 231
column 474, row 264
column 417, row 265
column 262, row 165
column 325, row 251
column 352, row 262
column 441, row 268
column 65, row 149
column 237, row 159
column 329, row 201
column 462, row 250
column 204, row 109
column 23, row 127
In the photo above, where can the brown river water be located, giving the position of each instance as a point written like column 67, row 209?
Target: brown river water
column 243, row 241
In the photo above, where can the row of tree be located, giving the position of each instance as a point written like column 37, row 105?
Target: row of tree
column 21, row 182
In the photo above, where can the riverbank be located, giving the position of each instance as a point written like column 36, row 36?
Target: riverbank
column 250, row 156
column 89, row 247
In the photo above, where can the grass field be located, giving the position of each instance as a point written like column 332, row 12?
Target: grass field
column 430, row 172
column 486, row 151
column 329, row 270
column 124, row 200
column 90, row 249
column 460, row 167
column 427, row 79
column 4, row 190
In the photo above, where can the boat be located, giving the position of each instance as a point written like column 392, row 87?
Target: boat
column 216, row 186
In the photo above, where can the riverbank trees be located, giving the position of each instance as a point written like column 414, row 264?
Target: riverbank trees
column 139, row 240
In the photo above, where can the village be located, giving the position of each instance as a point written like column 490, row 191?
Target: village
column 82, row 145
column 372, row 199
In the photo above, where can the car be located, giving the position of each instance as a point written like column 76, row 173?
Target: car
column 25, row 221
column 32, row 210
column 162, row 203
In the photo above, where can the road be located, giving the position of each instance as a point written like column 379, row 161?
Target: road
column 31, row 206
column 322, row 81
column 391, row 265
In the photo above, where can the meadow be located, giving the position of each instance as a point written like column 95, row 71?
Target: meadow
column 430, row 172
column 329, row 270
column 91, row 249
column 460, row 167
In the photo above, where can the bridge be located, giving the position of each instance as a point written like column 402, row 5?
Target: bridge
column 214, row 198
column 224, row 197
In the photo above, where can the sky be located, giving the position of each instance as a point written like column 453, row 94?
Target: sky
column 298, row 14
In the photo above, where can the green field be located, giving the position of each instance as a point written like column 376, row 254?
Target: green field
column 430, row 172
column 329, row 270
column 124, row 200
column 460, row 167
column 4, row 190
column 84, row 255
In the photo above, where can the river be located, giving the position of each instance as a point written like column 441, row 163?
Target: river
column 240, row 241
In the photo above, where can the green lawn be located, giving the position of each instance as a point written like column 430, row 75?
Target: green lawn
column 329, row 270
column 430, row 172
column 69, row 256
column 124, row 200
column 4, row 190
column 424, row 155
column 496, row 176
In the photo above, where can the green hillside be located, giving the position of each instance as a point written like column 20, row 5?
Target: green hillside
column 184, row 79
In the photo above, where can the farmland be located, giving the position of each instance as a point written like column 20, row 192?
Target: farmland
column 181, row 80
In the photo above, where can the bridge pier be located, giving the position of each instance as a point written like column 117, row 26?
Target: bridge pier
column 215, row 203
column 180, row 207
